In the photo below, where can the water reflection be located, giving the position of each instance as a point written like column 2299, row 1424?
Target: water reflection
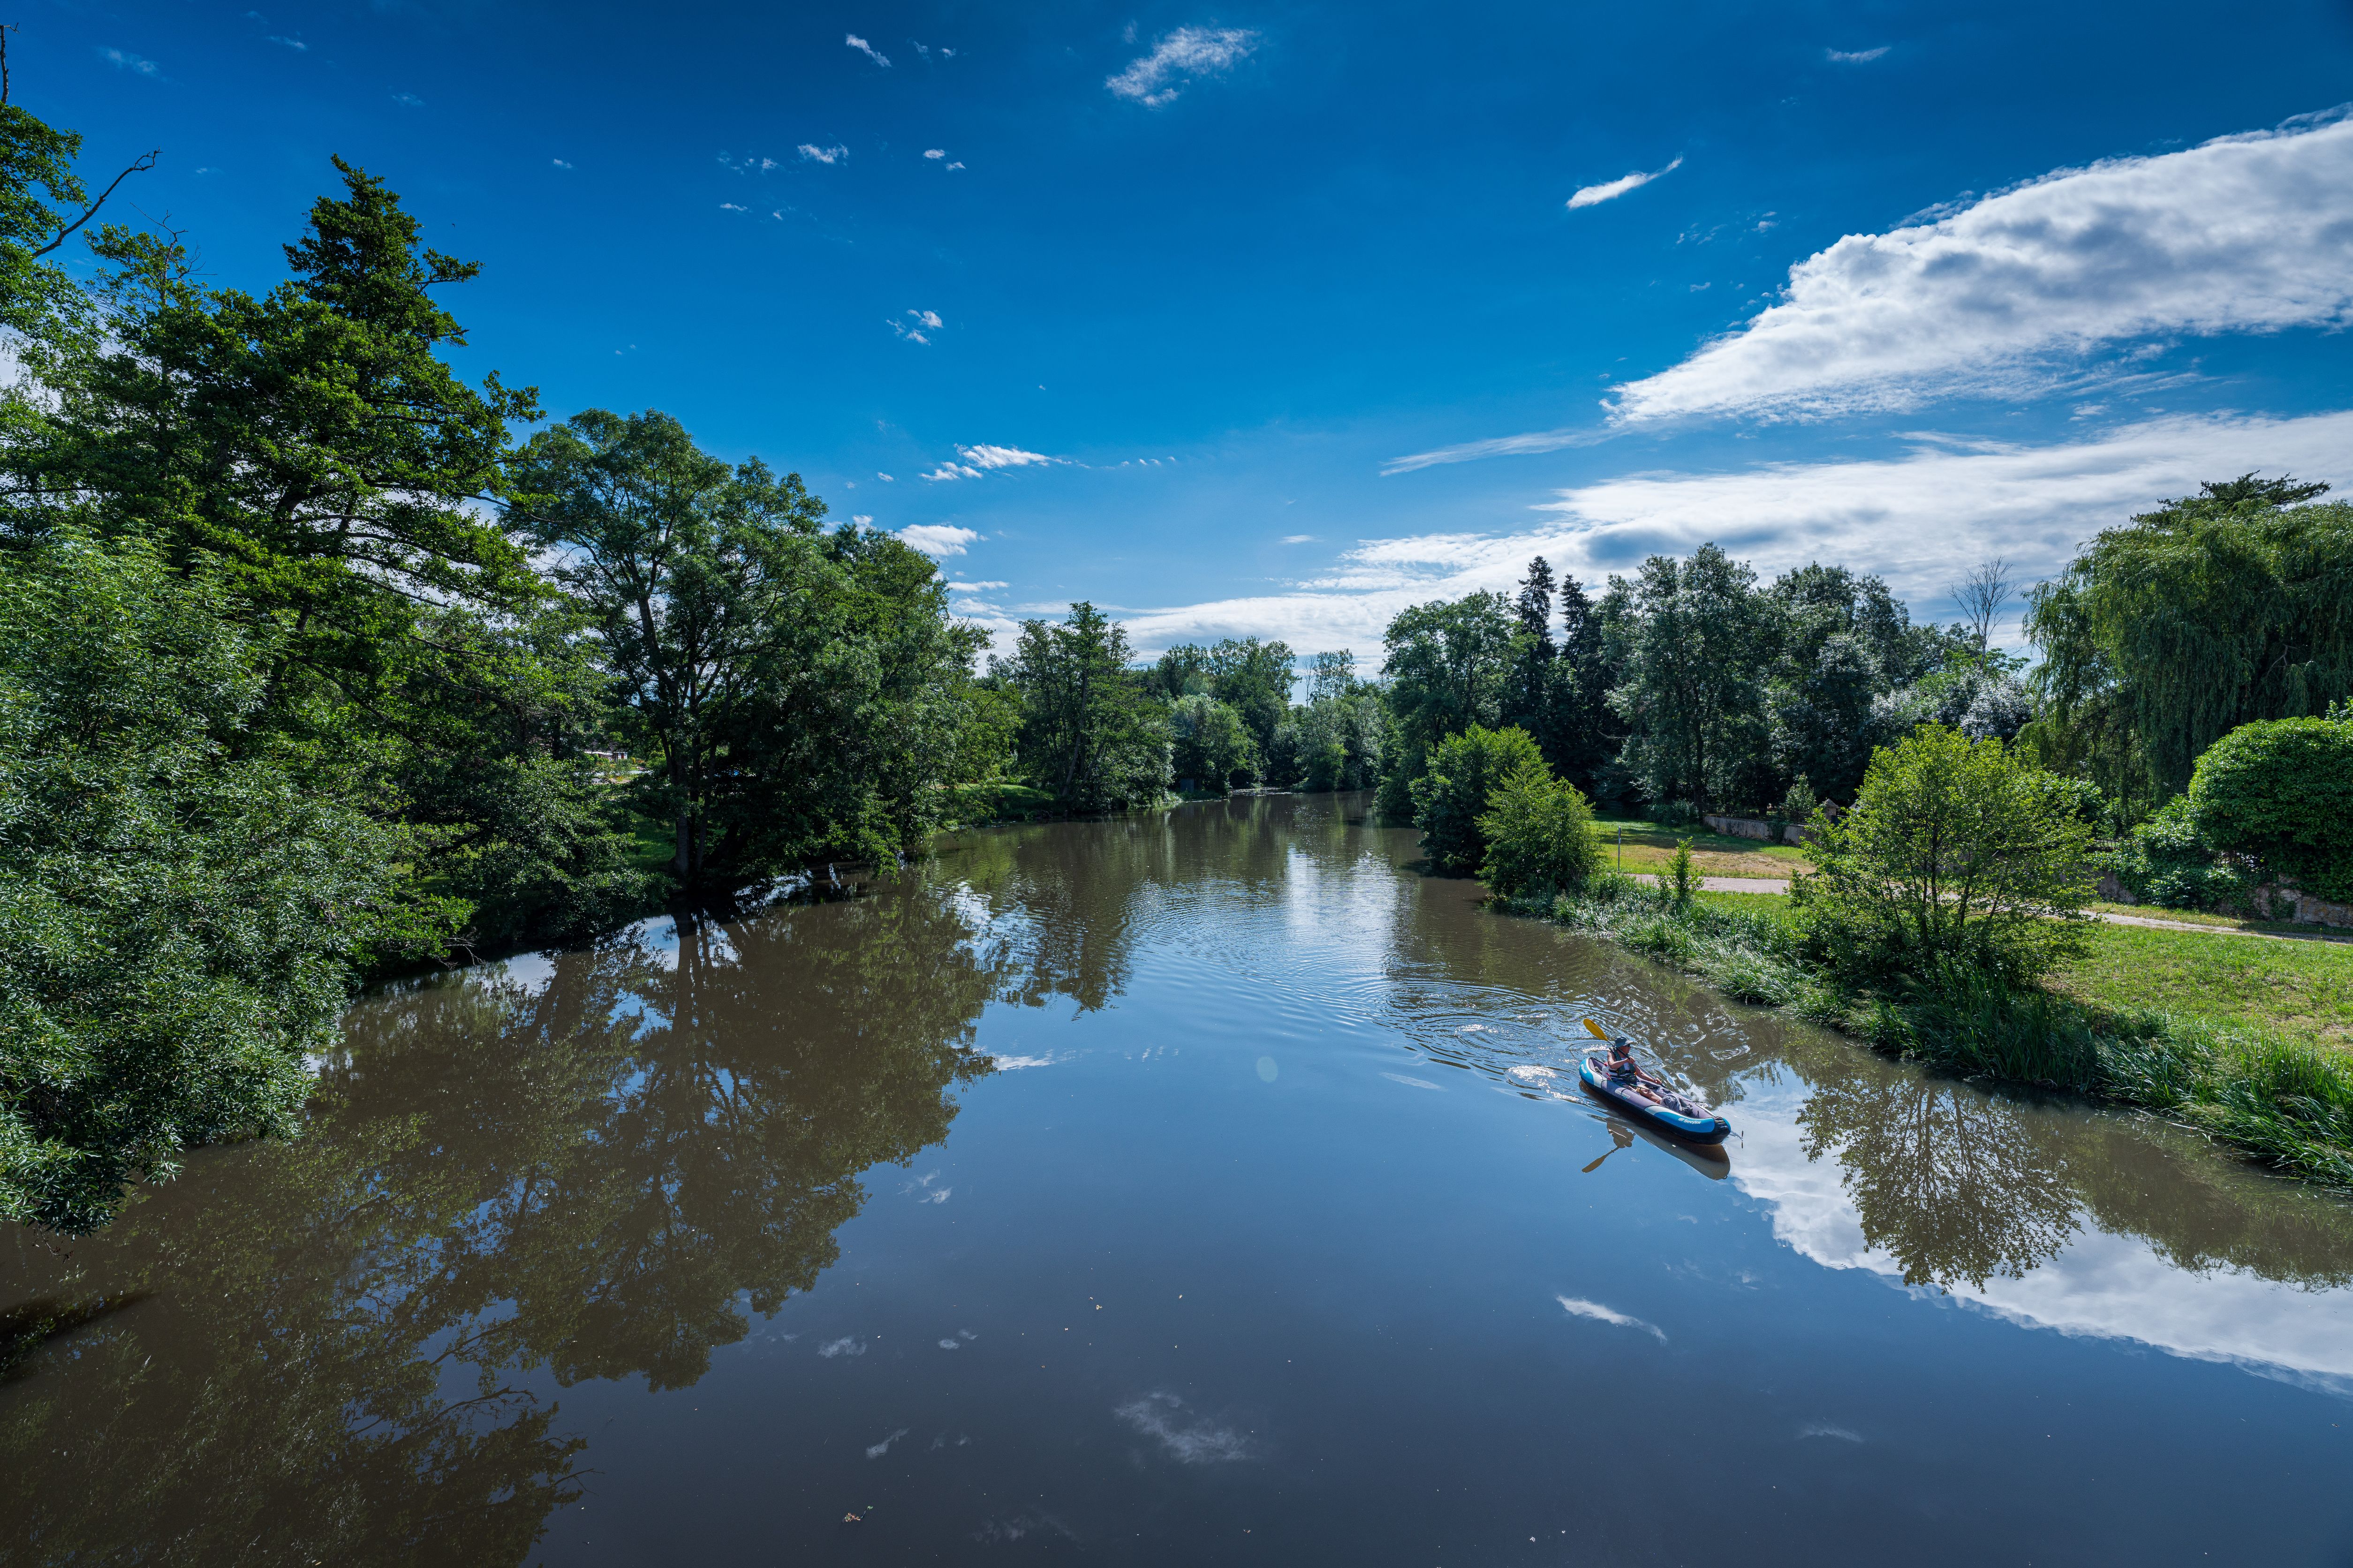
column 598, row 1176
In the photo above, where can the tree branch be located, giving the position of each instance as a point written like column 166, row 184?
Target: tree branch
column 138, row 165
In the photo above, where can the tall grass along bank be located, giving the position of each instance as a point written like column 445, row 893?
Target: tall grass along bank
column 2284, row 1100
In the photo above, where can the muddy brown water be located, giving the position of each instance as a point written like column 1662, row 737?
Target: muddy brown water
column 1195, row 1187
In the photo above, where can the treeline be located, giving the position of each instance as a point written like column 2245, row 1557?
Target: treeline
column 313, row 668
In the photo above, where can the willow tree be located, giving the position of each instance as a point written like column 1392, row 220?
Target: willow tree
column 2215, row 610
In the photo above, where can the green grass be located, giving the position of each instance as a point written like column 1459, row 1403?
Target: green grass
column 2241, row 1045
column 2233, row 923
column 2303, row 988
column 978, row 804
column 1649, row 847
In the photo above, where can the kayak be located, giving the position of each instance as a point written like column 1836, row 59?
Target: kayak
column 1644, row 1113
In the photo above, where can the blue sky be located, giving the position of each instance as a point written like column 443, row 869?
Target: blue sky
column 1270, row 319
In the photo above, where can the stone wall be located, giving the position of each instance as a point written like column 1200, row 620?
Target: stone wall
column 1756, row 828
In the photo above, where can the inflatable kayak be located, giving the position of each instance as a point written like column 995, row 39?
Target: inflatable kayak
column 1645, row 1113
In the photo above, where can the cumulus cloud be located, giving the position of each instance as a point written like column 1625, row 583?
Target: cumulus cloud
column 1594, row 196
column 1578, row 1307
column 1187, row 1439
column 125, row 60
column 868, row 50
column 1002, row 457
column 938, row 539
column 1179, row 58
column 2246, row 233
column 1858, row 57
column 1920, row 519
column 811, row 153
column 935, row 152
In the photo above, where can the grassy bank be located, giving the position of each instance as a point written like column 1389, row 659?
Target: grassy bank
column 1644, row 846
column 2242, row 1077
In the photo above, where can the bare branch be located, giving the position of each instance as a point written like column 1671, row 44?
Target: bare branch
column 138, row 165
column 5, row 29
column 1981, row 596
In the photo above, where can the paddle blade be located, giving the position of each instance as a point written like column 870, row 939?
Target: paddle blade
column 1599, row 1031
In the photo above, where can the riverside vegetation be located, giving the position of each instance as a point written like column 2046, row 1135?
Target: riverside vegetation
column 311, row 670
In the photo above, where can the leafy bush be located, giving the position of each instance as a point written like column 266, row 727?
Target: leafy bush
column 1451, row 797
column 1539, row 834
column 181, row 910
column 2283, row 792
column 1212, row 746
column 1799, row 805
column 1955, row 849
column 1681, row 883
column 2167, row 861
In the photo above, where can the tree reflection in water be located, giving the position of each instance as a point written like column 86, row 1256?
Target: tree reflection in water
column 597, row 1177
column 1958, row 1183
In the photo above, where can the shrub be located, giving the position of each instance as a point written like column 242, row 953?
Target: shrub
column 1212, row 746
column 1449, row 799
column 1539, row 834
column 1955, row 849
column 2283, row 792
column 2167, row 861
column 1799, row 805
column 1681, row 883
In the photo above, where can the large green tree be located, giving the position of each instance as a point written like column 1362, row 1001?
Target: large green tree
column 1692, row 692
column 1090, row 733
column 2214, row 611
column 1449, row 667
column 799, row 691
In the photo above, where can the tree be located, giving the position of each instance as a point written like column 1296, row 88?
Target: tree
column 800, row 691
column 1539, row 834
column 1533, row 686
column 1980, row 595
column 180, row 914
column 1212, row 745
column 1332, row 675
column 1341, row 738
column 1451, row 797
column 1839, row 641
column 1691, row 694
column 1254, row 679
column 2215, row 610
column 1955, row 850
column 2281, row 791
column 1090, row 731
column 1449, row 666
column 1587, row 731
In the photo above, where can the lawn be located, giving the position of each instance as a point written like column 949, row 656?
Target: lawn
column 2303, row 987
column 1649, row 847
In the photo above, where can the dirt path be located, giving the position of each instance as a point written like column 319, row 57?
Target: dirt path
column 1766, row 885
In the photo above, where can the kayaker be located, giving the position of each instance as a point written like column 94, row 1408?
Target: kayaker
column 1628, row 1074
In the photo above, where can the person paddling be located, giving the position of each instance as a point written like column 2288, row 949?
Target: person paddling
column 1628, row 1074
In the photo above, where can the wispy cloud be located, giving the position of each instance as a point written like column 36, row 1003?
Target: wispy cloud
column 1859, row 56
column 876, row 1450
column 849, row 1344
column 2243, row 234
column 1187, row 1439
column 868, row 50
column 812, row 153
column 916, row 325
column 1578, row 1307
column 1298, row 539
column 978, row 587
column 1499, row 447
column 295, row 44
column 1610, row 190
column 1003, row 457
column 1919, row 518
column 1178, row 59
column 938, row 539
column 559, row 163
column 407, row 101
column 124, row 59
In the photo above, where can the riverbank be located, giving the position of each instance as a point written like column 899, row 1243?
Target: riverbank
column 2278, row 1095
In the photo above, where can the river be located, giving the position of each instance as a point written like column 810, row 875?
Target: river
column 1197, row 1187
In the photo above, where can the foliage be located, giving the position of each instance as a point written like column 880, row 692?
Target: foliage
column 1253, row 678
column 1539, row 834
column 1955, row 849
column 1342, row 734
column 1449, row 666
column 1089, row 730
column 1451, row 798
column 1691, row 696
column 1841, row 641
column 1210, row 745
column 1681, row 882
column 2214, row 611
column 2168, row 861
column 2281, row 791
column 1800, row 804
column 182, row 906
column 799, row 690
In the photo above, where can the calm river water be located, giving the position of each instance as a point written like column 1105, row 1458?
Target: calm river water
column 1204, row 1187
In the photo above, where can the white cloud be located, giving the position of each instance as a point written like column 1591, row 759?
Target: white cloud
column 876, row 1450
column 733, row 208
column 1188, row 1441
column 886, row 478
column 1178, row 59
column 1577, row 1307
column 849, row 1344
column 559, row 163
column 935, row 152
column 1919, row 518
column 814, row 155
column 938, row 539
column 295, row 44
column 1859, row 56
column 868, row 50
column 1002, row 457
column 1594, row 196
column 861, row 519
column 978, row 587
column 2243, row 234
column 918, row 327
column 1298, row 539
column 1500, row 446
column 957, row 165
column 128, row 61
column 946, row 471
column 410, row 100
